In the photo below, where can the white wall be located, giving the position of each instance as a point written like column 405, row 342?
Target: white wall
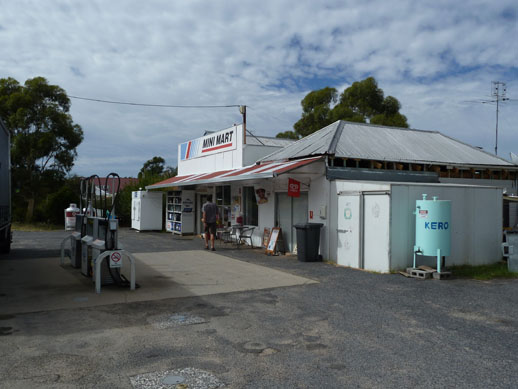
column 225, row 160
column 319, row 196
column 266, row 212
column 242, row 155
column 476, row 223
column 476, row 220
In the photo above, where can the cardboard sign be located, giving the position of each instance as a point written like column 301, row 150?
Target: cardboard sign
column 275, row 241
column 293, row 188
column 270, row 249
column 116, row 259
column 266, row 237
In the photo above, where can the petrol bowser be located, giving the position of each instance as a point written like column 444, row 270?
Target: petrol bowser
column 95, row 246
column 102, row 231
column 75, row 250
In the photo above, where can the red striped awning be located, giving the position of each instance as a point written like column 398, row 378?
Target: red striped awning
column 264, row 170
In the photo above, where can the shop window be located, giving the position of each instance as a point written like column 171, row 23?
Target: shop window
column 250, row 213
column 223, row 203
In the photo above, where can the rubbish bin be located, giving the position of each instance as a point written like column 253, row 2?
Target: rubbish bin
column 308, row 241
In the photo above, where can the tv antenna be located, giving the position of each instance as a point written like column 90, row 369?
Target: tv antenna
column 498, row 91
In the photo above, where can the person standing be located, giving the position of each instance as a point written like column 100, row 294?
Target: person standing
column 210, row 217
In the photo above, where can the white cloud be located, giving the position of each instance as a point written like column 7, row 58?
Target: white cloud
column 430, row 55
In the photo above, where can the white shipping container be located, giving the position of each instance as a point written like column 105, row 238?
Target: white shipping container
column 375, row 224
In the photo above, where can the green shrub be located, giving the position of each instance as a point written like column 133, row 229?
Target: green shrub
column 52, row 210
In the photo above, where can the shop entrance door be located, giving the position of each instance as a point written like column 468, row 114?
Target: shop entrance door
column 291, row 211
column 200, row 200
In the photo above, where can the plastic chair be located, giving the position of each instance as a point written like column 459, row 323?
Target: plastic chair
column 246, row 234
column 223, row 234
column 229, row 235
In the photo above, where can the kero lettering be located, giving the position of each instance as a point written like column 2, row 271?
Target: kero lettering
column 436, row 225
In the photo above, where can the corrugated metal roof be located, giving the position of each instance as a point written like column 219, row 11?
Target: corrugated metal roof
column 267, row 141
column 367, row 141
column 314, row 144
column 265, row 170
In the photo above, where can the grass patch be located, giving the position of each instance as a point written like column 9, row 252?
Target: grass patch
column 483, row 272
column 35, row 227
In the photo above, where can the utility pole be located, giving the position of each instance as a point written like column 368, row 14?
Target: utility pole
column 242, row 110
column 498, row 91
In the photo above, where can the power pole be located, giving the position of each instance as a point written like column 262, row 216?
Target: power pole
column 498, row 91
column 242, row 110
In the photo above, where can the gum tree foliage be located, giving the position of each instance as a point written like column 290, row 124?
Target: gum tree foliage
column 44, row 137
column 362, row 102
column 153, row 167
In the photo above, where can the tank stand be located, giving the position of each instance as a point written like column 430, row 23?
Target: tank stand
column 438, row 274
column 416, row 251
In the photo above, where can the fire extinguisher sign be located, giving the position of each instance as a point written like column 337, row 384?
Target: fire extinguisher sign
column 116, row 259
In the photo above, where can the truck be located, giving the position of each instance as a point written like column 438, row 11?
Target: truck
column 5, row 189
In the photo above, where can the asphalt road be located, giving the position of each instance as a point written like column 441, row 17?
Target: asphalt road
column 352, row 329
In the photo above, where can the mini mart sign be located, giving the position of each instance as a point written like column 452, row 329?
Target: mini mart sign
column 217, row 142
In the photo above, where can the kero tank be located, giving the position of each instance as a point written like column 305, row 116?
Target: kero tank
column 433, row 226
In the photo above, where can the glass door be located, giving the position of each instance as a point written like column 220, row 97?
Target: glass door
column 250, row 210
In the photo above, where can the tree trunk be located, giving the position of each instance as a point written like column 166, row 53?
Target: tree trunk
column 30, row 211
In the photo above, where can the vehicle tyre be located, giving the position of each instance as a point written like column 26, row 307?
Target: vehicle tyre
column 5, row 244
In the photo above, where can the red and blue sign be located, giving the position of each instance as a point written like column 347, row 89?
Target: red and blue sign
column 210, row 144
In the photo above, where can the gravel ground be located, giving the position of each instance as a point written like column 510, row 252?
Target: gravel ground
column 352, row 329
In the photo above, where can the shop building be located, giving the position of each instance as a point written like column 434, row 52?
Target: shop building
column 374, row 172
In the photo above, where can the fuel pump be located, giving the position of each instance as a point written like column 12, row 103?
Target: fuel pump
column 106, row 234
column 78, row 234
column 76, row 246
column 88, row 231
column 97, row 235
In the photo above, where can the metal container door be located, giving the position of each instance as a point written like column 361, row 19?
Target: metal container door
column 376, row 232
column 348, row 242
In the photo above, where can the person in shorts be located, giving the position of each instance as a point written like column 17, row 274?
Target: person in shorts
column 210, row 217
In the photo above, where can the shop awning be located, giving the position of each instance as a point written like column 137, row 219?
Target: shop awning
column 264, row 170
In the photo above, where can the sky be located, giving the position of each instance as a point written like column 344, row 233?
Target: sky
column 437, row 57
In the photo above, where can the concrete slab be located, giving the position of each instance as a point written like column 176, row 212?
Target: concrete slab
column 33, row 285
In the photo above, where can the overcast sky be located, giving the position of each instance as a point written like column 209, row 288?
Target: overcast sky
column 434, row 56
